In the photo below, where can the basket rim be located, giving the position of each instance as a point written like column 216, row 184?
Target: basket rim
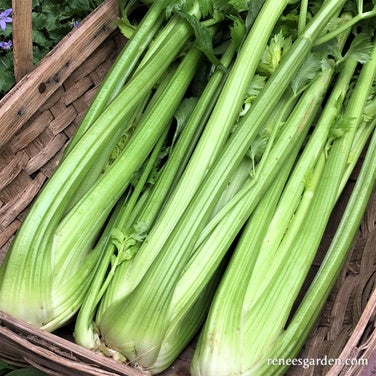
column 51, row 345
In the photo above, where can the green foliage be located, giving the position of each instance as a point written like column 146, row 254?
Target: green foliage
column 360, row 48
column 278, row 45
column 6, row 369
column 51, row 20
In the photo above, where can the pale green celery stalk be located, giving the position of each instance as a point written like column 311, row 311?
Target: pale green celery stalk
column 210, row 339
column 170, row 172
column 122, row 67
column 275, row 122
column 236, row 212
column 130, row 213
column 302, row 15
column 163, row 37
column 167, row 49
column 175, row 340
column 363, row 133
column 267, row 311
column 145, row 337
column 293, row 337
column 216, row 343
column 51, row 239
column 207, row 257
column 215, row 134
column 126, row 209
column 124, row 215
column 238, row 179
column 360, row 140
column 220, row 351
column 350, row 22
column 254, row 47
column 327, row 192
column 104, row 159
column 224, row 113
column 299, row 181
column 68, row 235
column 186, row 142
column 320, row 139
column 181, row 306
column 185, row 320
column 298, row 329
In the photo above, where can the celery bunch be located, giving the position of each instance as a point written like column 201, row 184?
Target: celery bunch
column 173, row 272
column 199, row 184
column 53, row 256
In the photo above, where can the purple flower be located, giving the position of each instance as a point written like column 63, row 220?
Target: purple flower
column 6, row 45
column 4, row 18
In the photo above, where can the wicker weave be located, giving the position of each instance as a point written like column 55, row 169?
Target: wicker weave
column 37, row 119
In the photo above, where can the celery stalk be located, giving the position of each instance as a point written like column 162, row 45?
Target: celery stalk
column 52, row 241
column 212, row 137
column 167, row 251
column 211, row 249
column 284, row 256
column 291, row 339
column 84, row 332
column 123, row 66
column 170, row 243
column 215, row 134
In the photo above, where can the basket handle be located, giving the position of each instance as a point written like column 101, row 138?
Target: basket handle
column 22, row 37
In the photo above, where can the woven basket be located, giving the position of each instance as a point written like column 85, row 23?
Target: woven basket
column 38, row 118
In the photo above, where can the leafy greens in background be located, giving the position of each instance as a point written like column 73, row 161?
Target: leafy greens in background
column 6, row 369
column 52, row 20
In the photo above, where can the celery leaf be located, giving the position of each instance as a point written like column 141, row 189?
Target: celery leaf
column 254, row 89
column 125, row 27
column 237, row 30
column 307, row 72
column 253, row 11
column 273, row 53
column 203, row 38
column 360, row 49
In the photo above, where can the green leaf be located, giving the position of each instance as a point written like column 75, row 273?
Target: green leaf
column 203, row 38
column 126, row 242
column 360, row 48
column 7, row 79
column 254, row 9
column 126, row 28
column 273, row 53
column 5, row 368
column 237, row 30
column 183, row 113
column 254, row 89
column 206, row 7
column 340, row 127
column 178, row 6
column 40, row 39
column 125, row 6
column 307, row 72
column 241, row 5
